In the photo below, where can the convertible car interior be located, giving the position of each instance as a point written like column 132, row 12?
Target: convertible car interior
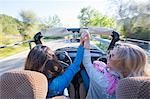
column 66, row 56
column 25, row 83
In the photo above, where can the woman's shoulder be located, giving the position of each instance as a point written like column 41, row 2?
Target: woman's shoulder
column 100, row 66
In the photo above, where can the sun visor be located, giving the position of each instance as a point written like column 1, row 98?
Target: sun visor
column 83, row 30
column 54, row 32
column 100, row 30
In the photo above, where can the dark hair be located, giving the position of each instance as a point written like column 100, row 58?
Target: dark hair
column 42, row 59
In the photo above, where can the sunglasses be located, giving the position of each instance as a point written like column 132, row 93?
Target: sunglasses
column 111, row 55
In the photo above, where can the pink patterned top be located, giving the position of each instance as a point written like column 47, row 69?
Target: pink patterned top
column 103, row 81
column 112, row 77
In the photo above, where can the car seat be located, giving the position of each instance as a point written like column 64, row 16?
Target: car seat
column 23, row 85
column 133, row 88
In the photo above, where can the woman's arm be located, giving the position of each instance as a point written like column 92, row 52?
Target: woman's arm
column 87, row 63
column 62, row 81
column 87, row 55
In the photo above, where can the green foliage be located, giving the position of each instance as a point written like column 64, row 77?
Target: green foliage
column 8, row 39
column 9, row 30
column 29, row 17
column 9, row 25
column 140, row 33
column 102, row 21
column 12, row 30
column 1, row 28
column 86, row 15
column 51, row 21
column 11, row 51
column 91, row 17
column 5, row 20
column 133, row 19
column 30, row 24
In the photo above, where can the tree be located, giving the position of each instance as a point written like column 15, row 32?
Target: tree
column 91, row 17
column 132, row 16
column 102, row 21
column 86, row 15
column 140, row 33
column 30, row 26
column 9, row 32
column 51, row 22
column 29, row 17
column 9, row 25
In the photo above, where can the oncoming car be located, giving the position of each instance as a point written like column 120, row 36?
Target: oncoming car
column 67, row 53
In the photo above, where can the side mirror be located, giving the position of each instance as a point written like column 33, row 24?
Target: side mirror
column 37, row 38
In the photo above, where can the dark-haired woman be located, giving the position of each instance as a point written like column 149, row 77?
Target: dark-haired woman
column 42, row 59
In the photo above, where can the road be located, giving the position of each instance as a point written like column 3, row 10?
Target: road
column 17, row 61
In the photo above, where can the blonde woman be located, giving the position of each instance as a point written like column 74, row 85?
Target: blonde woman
column 124, row 60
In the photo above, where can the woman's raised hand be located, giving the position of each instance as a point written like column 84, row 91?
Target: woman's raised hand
column 85, row 38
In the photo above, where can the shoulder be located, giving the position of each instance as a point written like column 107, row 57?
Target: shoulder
column 99, row 65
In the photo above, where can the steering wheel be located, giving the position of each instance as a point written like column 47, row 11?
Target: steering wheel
column 63, row 58
column 103, row 59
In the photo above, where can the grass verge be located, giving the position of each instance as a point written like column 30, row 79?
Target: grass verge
column 5, row 52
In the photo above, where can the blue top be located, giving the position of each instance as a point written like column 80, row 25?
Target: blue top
column 58, row 84
column 85, row 78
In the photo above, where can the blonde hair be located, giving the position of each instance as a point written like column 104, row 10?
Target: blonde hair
column 130, row 59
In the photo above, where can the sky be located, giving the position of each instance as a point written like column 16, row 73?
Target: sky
column 67, row 10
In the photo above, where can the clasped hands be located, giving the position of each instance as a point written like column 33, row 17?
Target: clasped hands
column 85, row 39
